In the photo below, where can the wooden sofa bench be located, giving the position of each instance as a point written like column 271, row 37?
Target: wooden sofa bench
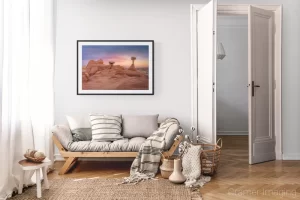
column 72, row 157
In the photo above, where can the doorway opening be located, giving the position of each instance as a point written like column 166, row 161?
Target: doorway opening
column 232, row 84
column 263, row 76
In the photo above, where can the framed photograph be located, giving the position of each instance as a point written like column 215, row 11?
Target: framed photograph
column 115, row 67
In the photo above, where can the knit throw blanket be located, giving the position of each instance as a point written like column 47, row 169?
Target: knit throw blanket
column 191, row 165
column 145, row 165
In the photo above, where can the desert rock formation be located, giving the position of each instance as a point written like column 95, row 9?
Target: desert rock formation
column 100, row 76
column 132, row 67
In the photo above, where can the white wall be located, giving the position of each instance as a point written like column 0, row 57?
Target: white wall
column 165, row 22
column 232, row 76
column 168, row 23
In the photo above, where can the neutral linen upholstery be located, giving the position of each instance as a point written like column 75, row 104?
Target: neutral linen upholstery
column 171, row 134
column 122, row 145
column 63, row 134
column 139, row 125
column 106, row 127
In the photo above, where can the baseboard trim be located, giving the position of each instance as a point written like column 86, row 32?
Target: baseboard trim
column 58, row 157
column 279, row 155
column 232, row 132
column 291, row 156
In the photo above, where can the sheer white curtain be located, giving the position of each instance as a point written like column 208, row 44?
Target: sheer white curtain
column 26, row 88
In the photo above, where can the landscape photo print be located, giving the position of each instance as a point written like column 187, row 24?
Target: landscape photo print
column 115, row 67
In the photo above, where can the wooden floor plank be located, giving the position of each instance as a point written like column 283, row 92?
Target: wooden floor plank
column 235, row 180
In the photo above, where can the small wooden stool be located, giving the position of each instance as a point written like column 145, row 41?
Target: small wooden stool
column 27, row 165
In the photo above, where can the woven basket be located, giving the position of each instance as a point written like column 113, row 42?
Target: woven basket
column 36, row 160
column 210, row 157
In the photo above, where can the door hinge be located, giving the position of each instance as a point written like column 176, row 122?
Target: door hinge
column 213, row 86
column 214, row 32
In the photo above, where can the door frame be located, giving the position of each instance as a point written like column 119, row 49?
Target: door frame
column 242, row 9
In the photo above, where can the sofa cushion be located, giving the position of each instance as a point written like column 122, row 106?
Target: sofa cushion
column 80, row 127
column 82, row 134
column 139, row 125
column 122, row 145
column 63, row 134
column 106, row 127
column 171, row 134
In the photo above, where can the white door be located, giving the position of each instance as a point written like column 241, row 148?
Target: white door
column 206, row 64
column 260, row 66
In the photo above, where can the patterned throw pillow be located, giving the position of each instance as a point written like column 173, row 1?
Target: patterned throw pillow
column 106, row 127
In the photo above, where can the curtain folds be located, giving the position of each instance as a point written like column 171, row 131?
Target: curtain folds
column 27, row 37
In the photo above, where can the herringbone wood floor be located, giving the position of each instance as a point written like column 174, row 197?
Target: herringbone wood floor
column 235, row 180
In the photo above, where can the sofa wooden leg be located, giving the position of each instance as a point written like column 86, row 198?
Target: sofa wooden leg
column 68, row 164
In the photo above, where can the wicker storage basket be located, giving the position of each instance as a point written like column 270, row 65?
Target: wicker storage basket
column 210, row 157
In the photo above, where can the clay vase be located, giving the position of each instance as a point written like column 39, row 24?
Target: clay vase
column 177, row 176
column 167, row 167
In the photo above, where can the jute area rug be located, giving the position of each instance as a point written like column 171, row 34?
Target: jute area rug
column 110, row 189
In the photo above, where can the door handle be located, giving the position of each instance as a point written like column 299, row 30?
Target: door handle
column 254, row 86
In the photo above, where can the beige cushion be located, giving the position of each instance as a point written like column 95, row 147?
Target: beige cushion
column 122, row 145
column 171, row 134
column 139, row 125
column 63, row 134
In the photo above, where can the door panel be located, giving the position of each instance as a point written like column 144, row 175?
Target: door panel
column 261, row 134
column 206, row 38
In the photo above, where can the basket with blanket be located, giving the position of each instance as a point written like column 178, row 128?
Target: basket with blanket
column 210, row 155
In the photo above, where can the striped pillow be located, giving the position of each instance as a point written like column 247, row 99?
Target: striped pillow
column 106, row 127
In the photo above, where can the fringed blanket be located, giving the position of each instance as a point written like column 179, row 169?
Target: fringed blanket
column 145, row 165
column 191, row 165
